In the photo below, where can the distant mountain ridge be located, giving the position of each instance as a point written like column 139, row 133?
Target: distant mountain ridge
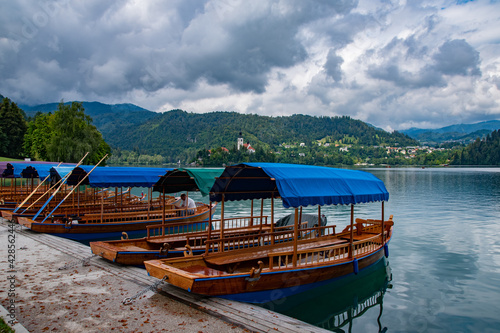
column 461, row 132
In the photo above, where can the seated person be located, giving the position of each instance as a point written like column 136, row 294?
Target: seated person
column 187, row 202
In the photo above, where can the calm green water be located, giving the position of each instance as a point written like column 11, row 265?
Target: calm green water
column 444, row 257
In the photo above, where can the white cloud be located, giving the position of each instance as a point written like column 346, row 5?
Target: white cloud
column 394, row 64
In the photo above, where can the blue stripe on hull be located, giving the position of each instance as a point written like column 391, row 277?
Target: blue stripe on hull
column 265, row 296
column 88, row 237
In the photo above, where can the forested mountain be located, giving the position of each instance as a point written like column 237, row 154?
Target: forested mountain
column 179, row 135
column 480, row 152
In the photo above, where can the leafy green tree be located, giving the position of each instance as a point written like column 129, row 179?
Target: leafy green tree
column 13, row 126
column 73, row 135
column 37, row 137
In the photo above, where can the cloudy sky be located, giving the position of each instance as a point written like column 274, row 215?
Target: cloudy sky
column 394, row 64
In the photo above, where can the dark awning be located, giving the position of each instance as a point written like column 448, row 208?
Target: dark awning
column 188, row 179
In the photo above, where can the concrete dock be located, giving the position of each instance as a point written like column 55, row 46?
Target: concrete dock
column 59, row 288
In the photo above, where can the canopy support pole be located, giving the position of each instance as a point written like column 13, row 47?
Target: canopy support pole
column 272, row 219
column 251, row 214
column 351, row 248
column 163, row 207
column 102, row 206
column 221, row 247
column 209, row 231
column 149, row 200
column 295, row 236
column 261, row 213
column 383, row 227
column 319, row 220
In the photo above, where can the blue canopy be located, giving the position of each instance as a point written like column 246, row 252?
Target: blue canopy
column 32, row 169
column 112, row 176
column 298, row 185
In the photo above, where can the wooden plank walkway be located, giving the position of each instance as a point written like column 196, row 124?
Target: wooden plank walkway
column 248, row 316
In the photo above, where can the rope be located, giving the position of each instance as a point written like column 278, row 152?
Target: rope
column 84, row 262
column 130, row 300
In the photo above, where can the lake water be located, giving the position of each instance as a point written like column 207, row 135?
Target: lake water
column 444, row 257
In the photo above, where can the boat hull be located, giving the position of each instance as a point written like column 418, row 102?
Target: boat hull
column 271, row 285
column 98, row 231
column 136, row 254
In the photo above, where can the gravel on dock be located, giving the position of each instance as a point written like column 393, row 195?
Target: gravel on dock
column 88, row 298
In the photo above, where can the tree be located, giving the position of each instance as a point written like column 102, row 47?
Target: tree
column 37, row 137
column 12, row 129
column 73, row 135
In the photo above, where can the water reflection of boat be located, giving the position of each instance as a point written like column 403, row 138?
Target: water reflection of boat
column 336, row 306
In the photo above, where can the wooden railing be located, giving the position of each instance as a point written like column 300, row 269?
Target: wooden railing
column 187, row 228
column 239, row 222
column 173, row 228
column 281, row 235
column 324, row 254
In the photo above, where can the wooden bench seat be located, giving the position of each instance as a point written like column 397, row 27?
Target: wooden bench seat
column 133, row 248
column 262, row 252
column 203, row 270
column 215, row 234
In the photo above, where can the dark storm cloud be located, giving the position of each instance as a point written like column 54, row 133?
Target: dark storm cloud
column 332, row 66
column 105, row 47
column 261, row 41
column 426, row 77
column 457, row 57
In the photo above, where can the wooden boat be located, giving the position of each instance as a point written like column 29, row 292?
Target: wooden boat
column 276, row 270
column 30, row 201
column 175, row 240
column 134, row 224
column 102, row 201
column 111, row 225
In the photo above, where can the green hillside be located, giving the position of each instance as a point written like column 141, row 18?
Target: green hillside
column 178, row 135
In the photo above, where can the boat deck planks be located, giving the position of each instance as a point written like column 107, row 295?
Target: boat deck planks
column 251, row 317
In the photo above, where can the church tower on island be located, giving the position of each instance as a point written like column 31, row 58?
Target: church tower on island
column 240, row 141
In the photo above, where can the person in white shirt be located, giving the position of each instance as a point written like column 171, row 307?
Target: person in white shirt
column 187, row 203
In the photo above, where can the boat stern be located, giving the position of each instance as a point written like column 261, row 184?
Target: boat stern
column 173, row 275
column 104, row 250
column 24, row 221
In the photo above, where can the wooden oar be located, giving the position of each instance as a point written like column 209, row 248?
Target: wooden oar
column 36, row 189
column 41, row 197
column 63, row 181
column 76, row 186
